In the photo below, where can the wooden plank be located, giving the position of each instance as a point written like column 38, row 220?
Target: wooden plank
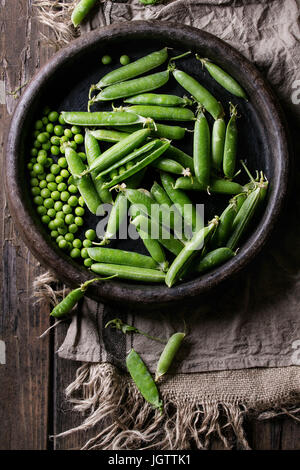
column 25, row 376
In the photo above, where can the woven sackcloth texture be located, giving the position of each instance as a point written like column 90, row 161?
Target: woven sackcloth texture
column 242, row 351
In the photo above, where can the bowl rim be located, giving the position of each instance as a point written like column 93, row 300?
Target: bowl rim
column 116, row 291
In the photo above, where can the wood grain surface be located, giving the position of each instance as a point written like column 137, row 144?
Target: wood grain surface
column 33, row 379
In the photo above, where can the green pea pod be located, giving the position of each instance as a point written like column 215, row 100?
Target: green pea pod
column 192, row 247
column 161, row 113
column 202, row 159
column 85, row 184
column 161, row 197
column 132, row 87
column 93, row 151
column 181, row 157
column 119, row 150
column 217, row 143
column 165, row 238
column 134, row 69
column 201, row 95
column 135, row 180
column 81, row 10
column 224, row 229
column 66, row 305
column 133, row 155
column 159, row 130
column 129, row 272
column 108, row 135
column 183, row 203
column 168, row 354
column 246, row 214
column 159, row 100
column 223, row 78
column 170, row 166
column 230, row 146
column 117, row 215
column 155, row 249
column 138, row 166
column 115, row 256
column 213, row 259
column 143, row 380
column 101, row 118
column 217, row 185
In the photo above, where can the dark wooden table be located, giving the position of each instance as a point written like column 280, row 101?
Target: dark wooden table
column 32, row 381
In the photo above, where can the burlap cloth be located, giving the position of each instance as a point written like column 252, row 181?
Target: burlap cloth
column 243, row 348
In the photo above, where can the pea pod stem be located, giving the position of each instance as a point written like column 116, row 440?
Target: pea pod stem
column 120, row 325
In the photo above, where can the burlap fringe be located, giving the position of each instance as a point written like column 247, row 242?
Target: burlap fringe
column 56, row 14
column 127, row 422
column 45, row 289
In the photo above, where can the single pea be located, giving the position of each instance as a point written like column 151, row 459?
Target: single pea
column 69, row 237
column 45, row 193
column 84, row 253
column 60, row 215
column 43, row 184
column 38, row 168
column 122, row 170
column 30, row 165
column 71, row 180
column 38, row 200
column 67, row 209
column 78, row 138
column 54, row 234
column 81, row 201
column 75, row 253
column 79, row 211
column 72, row 189
column 64, row 139
column 42, row 159
column 35, row 134
column 69, row 219
column 45, row 120
column 113, row 174
column 62, row 162
column 129, row 165
column 50, row 178
column 33, row 152
column 61, row 120
column 48, row 203
column 72, row 201
column 42, row 137
column 55, row 195
column 90, row 234
column 47, row 145
column 62, row 149
column 58, row 206
column 73, row 228
column 68, row 133
column 62, row 230
column 46, row 219
column 55, row 169
column 32, row 174
column 41, row 210
column 50, row 128
column 124, row 60
column 55, row 150
column 59, row 238
column 46, row 110
column 77, row 243
column 38, row 125
column 52, row 186
column 63, row 244
column 35, row 191
column 76, row 130
column 78, row 221
column 53, row 116
column 82, row 155
column 73, row 144
column 64, row 196
column 59, row 179
column 33, row 159
column 106, row 59
column 37, row 144
column 55, row 140
column 58, row 130
column 88, row 262
column 58, row 222
column 34, row 182
column 52, row 213
column 64, row 173
column 61, row 187
column 41, row 177
column 87, row 243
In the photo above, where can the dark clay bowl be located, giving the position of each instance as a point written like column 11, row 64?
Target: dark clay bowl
column 63, row 83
